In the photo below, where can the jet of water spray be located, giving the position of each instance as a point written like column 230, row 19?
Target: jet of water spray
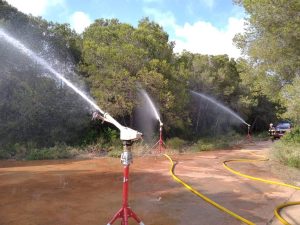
column 144, row 93
column 126, row 133
column 17, row 44
column 224, row 108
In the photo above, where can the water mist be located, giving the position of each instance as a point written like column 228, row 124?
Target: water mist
column 221, row 106
column 34, row 57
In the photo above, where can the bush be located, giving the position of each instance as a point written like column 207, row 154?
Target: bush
column 219, row 142
column 202, row 145
column 176, row 143
column 287, row 153
column 287, row 150
column 115, row 152
column 59, row 151
column 263, row 136
column 4, row 154
column 293, row 136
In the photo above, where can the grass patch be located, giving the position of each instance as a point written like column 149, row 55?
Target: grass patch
column 287, row 153
column 4, row 154
column 59, row 151
column 176, row 143
column 115, row 152
column 219, row 142
column 287, row 150
column 263, row 136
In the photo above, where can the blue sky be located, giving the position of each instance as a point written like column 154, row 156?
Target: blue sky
column 199, row 26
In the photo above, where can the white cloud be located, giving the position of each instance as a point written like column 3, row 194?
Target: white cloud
column 202, row 37
column 79, row 21
column 165, row 19
column 34, row 7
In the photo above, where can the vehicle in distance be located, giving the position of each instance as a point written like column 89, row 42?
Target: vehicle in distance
column 279, row 130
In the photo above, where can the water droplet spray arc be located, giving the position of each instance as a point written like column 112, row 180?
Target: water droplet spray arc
column 221, row 106
column 17, row 44
column 160, row 145
column 154, row 110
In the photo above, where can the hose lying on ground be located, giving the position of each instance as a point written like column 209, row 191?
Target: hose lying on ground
column 278, row 208
column 276, row 211
column 204, row 197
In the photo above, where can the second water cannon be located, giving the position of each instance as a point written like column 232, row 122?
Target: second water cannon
column 160, row 125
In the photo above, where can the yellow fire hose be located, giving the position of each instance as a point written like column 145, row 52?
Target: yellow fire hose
column 276, row 211
column 278, row 208
column 204, row 197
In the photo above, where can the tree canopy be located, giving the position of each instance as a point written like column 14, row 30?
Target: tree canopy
column 272, row 43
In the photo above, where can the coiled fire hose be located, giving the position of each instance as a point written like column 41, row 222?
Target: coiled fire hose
column 208, row 200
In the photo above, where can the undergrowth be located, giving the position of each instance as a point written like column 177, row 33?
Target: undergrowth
column 287, row 149
column 205, row 143
column 59, row 151
column 113, row 148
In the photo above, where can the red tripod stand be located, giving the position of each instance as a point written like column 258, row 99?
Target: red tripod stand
column 160, row 145
column 249, row 137
column 125, row 212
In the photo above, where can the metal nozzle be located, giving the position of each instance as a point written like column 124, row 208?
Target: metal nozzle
column 126, row 133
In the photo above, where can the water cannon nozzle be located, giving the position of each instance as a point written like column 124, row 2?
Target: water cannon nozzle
column 96, row 116
column 128, row 134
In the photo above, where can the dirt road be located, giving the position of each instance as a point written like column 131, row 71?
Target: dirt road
column 88, row 192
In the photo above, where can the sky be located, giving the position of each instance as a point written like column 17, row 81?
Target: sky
column 198, row 26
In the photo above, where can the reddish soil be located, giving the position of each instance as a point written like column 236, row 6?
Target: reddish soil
column 81, row 192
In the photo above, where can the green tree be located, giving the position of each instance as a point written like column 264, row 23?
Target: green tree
column 291, row 93
column 261, row 103
column 272, row 38
column 218, row 77
column 272, row 44
column 118, row 57
column 34, row 107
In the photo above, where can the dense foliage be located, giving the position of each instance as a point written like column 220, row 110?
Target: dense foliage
column 111, row 60
column 272, row 44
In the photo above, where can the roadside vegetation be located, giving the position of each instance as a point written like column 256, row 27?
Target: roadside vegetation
column 227, row 141
column 287, row 149
column 41, row 118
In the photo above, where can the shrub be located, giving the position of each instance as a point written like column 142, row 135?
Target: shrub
column 263, row 136
column 202, row 145
column 59, row 151
column 219, row 142
column 287, row 153
column 293, row 136
column 115, row 152
column 175, row 143
column 4, row 154
column 287, row 150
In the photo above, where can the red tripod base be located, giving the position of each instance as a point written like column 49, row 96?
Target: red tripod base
column 124, row 214
column 159, row 146
column 249, row 138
